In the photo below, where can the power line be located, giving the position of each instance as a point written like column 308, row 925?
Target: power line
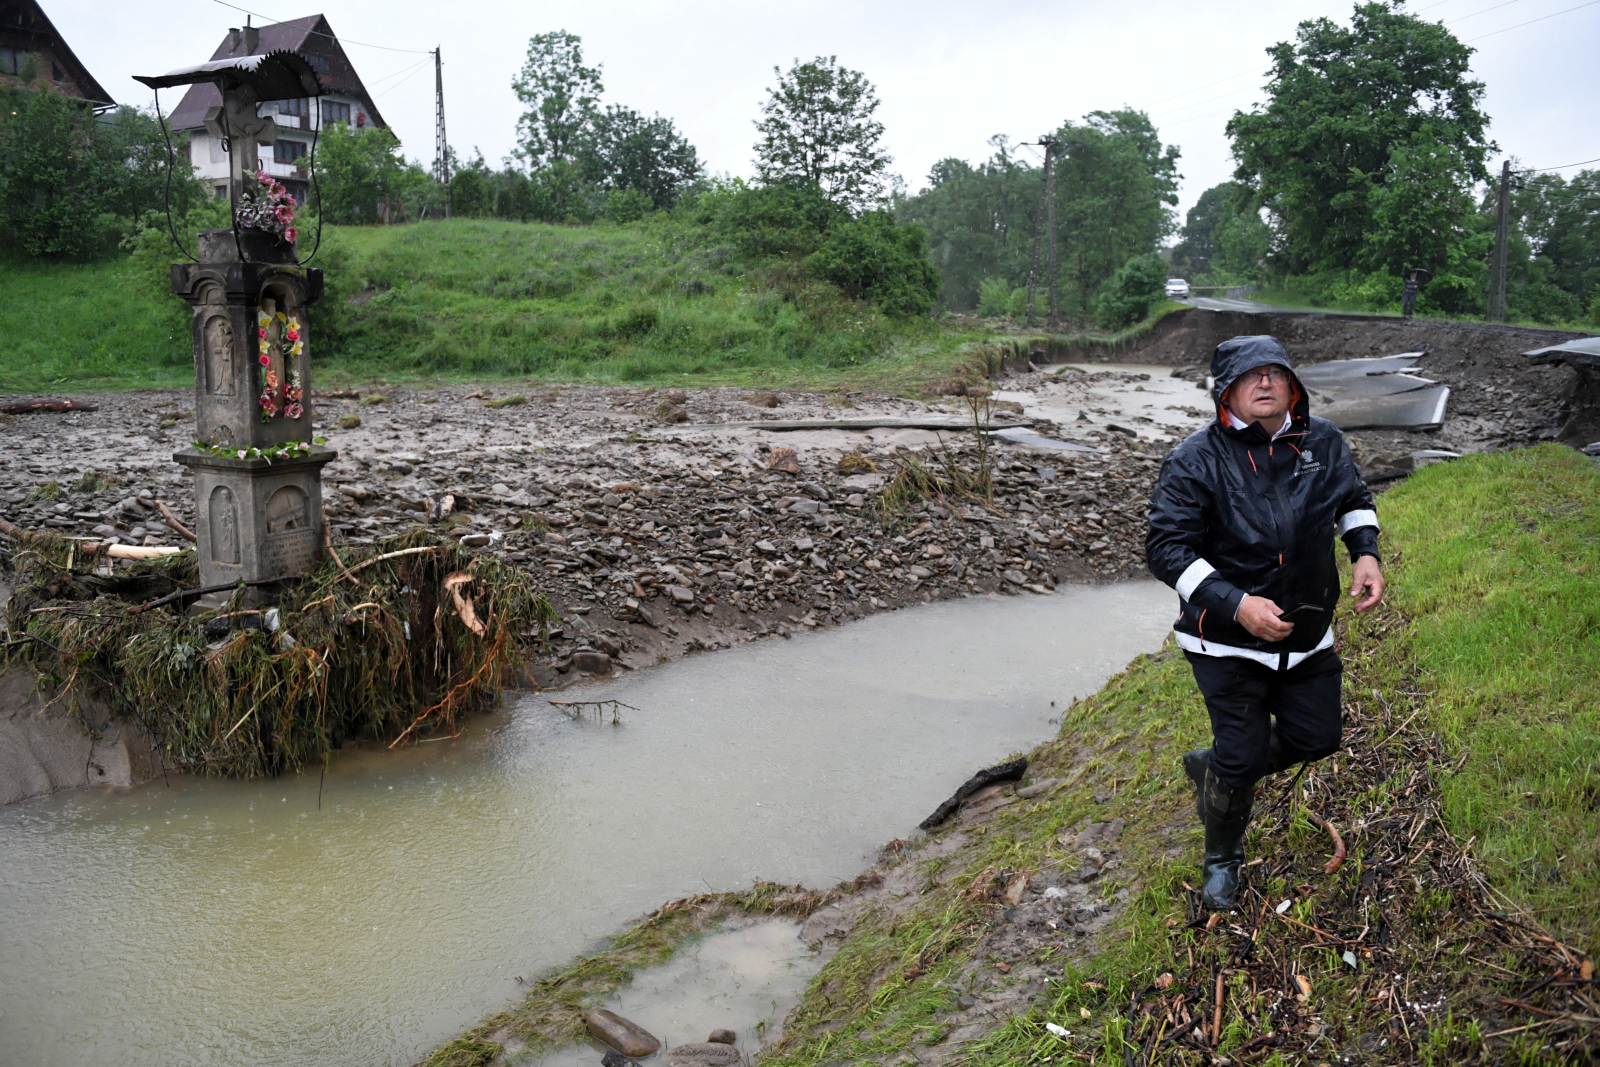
column 1486, row 10
column 1530, row 22
column 1564, row 166
column 342, row 40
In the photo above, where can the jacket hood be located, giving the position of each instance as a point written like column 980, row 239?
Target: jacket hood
column 1239, row 354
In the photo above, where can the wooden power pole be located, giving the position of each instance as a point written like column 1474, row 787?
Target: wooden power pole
column 441, row 146
column 1046, row 214
column 1497, row 265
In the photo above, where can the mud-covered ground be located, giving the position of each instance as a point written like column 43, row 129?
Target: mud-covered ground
column 656, row 528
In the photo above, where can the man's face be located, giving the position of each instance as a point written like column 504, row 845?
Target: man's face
column 1260, row 395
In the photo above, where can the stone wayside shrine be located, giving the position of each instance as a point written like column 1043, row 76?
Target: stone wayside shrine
column 258, row 475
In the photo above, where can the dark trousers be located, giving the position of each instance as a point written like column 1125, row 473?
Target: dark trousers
column 1243, row 697
column 1408, row 304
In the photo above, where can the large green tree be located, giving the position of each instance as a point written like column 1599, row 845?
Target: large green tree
column 72, row 183
column 624, row 150
column 980, row 221
column 561, row 95
column 362, row 178
column 1371, row 135
column 1116, row 184
column 1553, row 261
column 817, row 128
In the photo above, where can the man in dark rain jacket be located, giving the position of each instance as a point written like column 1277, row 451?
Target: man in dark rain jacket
column 1242, row 522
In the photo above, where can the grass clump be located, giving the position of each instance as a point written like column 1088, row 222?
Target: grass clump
column 416, row 632
column 945, row 475
column 464, row 1052
column 514, row 400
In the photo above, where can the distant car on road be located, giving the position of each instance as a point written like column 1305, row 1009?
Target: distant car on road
column 1177, row 287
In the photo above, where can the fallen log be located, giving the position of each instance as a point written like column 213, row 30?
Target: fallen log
column 1004, row 772
column 39, row 406
column 887, row 422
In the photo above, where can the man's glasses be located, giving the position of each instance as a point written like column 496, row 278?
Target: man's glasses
column 1275, row 376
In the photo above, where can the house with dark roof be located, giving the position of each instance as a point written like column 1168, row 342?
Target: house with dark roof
column 345, row 100
column 34, row 56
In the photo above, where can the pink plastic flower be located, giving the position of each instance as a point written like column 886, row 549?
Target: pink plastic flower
column 263, row 333
column 264, row 359
column 294, row 411
column 289, row 235
column 293, row 335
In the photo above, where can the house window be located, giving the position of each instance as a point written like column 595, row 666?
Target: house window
column 318, row 63
column 333, row 111
column 11, row 60
column 292, row 107
column 288, row 151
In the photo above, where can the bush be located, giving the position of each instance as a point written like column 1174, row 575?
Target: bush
column 768, row 220
column 877, row 259
column 995, row 297
column 1131, row 293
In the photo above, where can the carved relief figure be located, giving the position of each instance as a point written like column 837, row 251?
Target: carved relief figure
column 219, row 356
column 288, row 509
column 224, row 516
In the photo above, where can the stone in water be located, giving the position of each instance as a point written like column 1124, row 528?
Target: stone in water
column 626, row 1037
column 704, row 1054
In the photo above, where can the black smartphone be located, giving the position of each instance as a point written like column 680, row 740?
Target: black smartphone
column 1303, row 613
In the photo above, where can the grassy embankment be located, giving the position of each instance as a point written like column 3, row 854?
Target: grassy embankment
column 654, row 302
column 1468, row 793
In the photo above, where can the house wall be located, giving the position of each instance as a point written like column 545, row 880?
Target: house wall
column 211, row 160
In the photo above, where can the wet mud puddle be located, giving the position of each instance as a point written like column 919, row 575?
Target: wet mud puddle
column 1085, row 399
column 220, row 922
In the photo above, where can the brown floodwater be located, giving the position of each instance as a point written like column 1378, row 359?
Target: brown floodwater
column 240, row 923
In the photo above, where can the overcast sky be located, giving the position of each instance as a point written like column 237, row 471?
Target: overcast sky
column 950, row 75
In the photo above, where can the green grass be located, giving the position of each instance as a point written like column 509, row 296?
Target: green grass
column 75, row 326
column 1502, row 568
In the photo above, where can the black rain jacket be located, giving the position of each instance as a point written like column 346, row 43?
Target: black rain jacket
column 1237, row 512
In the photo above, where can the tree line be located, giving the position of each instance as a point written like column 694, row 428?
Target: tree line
column 1367, row 159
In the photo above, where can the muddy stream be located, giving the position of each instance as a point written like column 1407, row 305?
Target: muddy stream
column 223, row 922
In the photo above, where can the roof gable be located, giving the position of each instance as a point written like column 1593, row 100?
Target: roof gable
column 23, row 24
column 310, row 36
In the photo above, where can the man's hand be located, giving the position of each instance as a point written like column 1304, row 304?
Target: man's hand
column 1366, row 582
column 1260, row 616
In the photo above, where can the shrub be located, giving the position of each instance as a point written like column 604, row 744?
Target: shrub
column 768, row 220
column 879, row 260
column 1130, row 294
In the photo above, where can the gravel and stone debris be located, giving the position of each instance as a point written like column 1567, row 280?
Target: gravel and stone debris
column 653, row 537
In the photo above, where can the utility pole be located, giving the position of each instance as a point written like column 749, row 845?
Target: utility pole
column 1054, row 321
column 1497, row 266
column 441, row 146
column 1047, row 207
